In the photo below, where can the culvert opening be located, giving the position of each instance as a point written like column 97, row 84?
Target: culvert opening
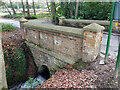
column 44, row 72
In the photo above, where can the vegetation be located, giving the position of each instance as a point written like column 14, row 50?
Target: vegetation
column 18, row 15
column 70, row 10
column 8, row 27
column 42, row 15
column 23, row 6
column 5, row 5
column 14, row 56
column 28, row 9
column 15, row 61
column 31, row 17
column 83, row 10
column 31, row 83
column 33, row 4
column 14, row 12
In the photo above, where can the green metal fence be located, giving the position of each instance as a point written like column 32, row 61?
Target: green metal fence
column 110, row 30
column 117, row 62
column 114, row 6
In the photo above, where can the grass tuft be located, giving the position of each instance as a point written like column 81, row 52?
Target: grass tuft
column 7, row 27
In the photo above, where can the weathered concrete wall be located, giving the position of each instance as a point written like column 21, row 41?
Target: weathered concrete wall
column 57, row 46
column 82, row 23
column 91, row 42
column 3, row 83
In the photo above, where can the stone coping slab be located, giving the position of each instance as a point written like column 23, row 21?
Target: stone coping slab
column 54, row 28
column 94, row 27
column 101, row 22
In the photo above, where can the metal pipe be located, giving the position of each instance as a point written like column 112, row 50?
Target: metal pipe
column 110, row 30
column 117, row 63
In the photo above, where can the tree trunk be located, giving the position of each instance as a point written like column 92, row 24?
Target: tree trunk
column 80, row 8
column 12, row 7
column 7, row 8
column 53, row 11
column 23, row 6
column 62, row 8
column 76, row 11
column 18, row 6
column 68, row 10
column 28, row 9
column 47, row 6
column 34, row 7
column 71, row 10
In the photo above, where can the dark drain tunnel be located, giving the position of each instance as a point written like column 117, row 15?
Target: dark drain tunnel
column 44, row 72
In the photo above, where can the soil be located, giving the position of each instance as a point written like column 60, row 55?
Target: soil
column 96, row 76
column 105, row 73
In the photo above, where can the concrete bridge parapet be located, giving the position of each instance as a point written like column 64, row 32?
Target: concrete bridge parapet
column 3, row 82
column 57, row 46
column 81, row 23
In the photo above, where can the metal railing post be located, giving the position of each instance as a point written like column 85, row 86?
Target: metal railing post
column 110, row 30
column 117, row 62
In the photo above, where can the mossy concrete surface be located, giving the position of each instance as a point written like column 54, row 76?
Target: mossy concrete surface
column 56, row 46
column 23, row 20
column 53, row 61
column 57, row 29
column 53, row 54
column 82, row 23
column 94, row 27
column 3, row 82
column 87, row 22
column 81, row 65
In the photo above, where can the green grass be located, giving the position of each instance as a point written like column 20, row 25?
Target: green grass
column 39, row 16
column 32, row 16
column 18, row 15
column 7, row 27
column 43, row 15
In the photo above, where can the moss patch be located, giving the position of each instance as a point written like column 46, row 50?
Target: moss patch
column 77, row 32
column 80, row 65
column 40, row 46
column 68, row 68
column 4, row 88
column 49, row 80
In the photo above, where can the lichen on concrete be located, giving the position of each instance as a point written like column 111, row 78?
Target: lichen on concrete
column 56, row 46
column 87, row 22
column 23, row 20
column 3, row 82
column 44, row 57
column 57, row 29
column 94, row 27
column 81, row 65
column 51, row 53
